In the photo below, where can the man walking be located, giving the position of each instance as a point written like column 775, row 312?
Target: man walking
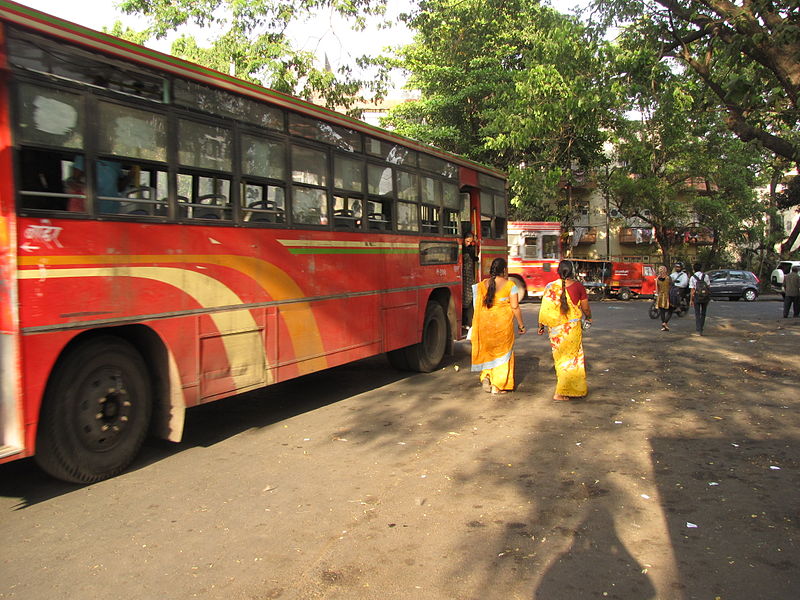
column 680, row 280
column 700, row 286
column 791, row 292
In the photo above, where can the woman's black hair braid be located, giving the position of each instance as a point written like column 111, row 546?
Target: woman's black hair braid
column 498, row 268
column 564, row 271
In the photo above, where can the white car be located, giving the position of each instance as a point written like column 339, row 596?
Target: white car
column 776, row 279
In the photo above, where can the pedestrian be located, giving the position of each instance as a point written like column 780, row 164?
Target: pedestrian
column 680, row 280
column 663, row 304
column 791, row 292
column 563, row 304
column 469, row 257
column 699, row 284
column 492, row 335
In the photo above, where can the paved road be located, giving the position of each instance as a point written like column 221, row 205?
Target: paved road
column 676, row 479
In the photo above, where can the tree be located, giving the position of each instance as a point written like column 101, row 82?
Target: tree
column 679, row 169
column 250, row 42
column 511, row 84
column 745, row 54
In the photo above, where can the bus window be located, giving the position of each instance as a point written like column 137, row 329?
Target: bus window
column 430, row 218
column 550, row 246
column 408, row 186
column 309, row 206
column 379, row 214
column 204, row 146
column 204, row 197
column 46, row 181
column 348, row 173
column 347, row 213
column 263, row 157
column 379, row 180
column 407, row 219
column 146, row 193
column 263, row 203
column 530, row 249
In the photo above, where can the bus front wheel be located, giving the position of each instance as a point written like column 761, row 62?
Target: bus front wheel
column 96, row 411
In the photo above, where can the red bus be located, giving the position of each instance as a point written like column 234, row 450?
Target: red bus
column 170, row 235
column 534, row 251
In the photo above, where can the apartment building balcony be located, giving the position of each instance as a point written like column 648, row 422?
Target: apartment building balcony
column 584, row 235
column 636, row 235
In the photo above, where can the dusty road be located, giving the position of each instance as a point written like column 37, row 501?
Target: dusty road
column 677, row 479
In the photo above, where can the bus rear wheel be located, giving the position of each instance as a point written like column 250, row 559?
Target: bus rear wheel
column 96, row 411
column 429, row 352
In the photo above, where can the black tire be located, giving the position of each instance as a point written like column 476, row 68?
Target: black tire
column 624, row 294
column 750, row 295
column 429, row 352
column 96, row 411
column 652, row 312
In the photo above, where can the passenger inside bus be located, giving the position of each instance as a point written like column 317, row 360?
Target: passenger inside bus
column 109, row 178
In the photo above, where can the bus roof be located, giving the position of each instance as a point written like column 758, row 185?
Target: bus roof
column 102, row 42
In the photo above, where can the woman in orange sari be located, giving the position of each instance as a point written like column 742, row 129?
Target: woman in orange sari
column 563, row 304
column 496, row 306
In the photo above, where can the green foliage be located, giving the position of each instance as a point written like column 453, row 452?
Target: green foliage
column 744, row 55
column 248, row 39
column 512, row 84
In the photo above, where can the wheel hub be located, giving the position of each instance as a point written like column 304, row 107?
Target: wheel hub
column 104, row 410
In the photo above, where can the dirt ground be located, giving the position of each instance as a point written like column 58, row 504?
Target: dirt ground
column 676, row 479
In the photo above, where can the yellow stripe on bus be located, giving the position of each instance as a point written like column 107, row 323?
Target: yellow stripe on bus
column 205, row 290
column 300, row 322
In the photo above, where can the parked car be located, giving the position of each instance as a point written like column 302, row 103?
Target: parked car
column 781, row 271
column 733, row 284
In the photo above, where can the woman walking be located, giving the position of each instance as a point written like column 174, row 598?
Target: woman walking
column 563, row 304
column 496, row 307
column 665, row 308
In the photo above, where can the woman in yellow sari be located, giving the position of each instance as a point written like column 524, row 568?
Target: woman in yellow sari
column 563, row 304
column 492, row 335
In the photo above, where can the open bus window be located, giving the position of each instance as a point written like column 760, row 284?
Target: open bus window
column 499, row 227
column 263, row 203
column 407, row 219
column 45, row 180
column 204, row 197
column 430, row 219
column 145, row 193
column 379, row 214
column 486, row 227
column 450, row 222
column 347, row 213
column 309, row 206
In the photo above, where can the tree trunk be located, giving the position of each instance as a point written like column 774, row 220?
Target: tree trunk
column 786, row 246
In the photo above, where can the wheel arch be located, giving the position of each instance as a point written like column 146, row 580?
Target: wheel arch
column 168, row 400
